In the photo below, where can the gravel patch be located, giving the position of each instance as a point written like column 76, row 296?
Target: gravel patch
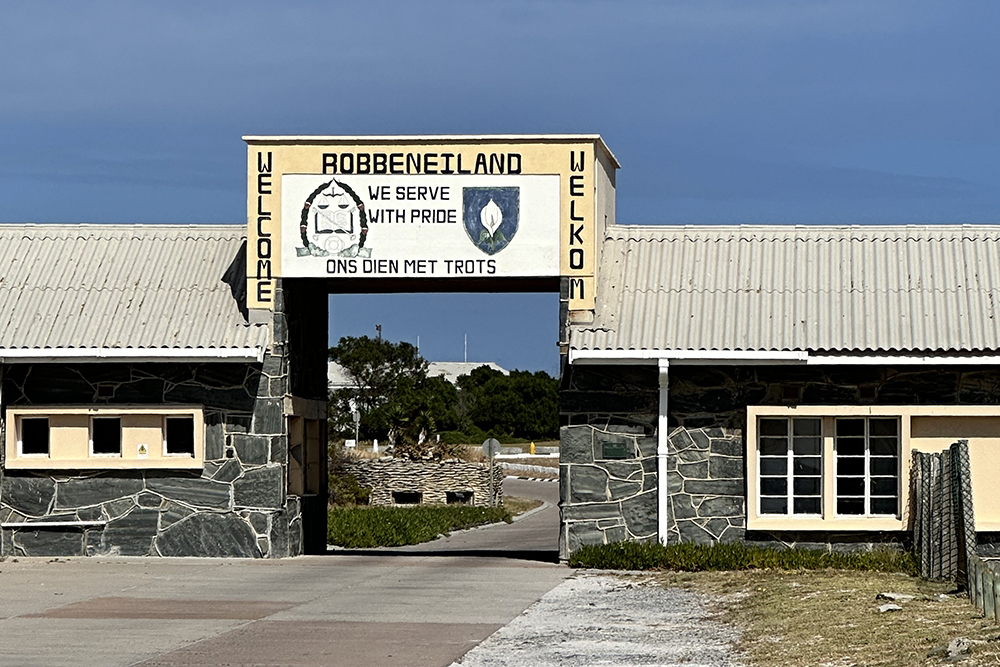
column 602, row 619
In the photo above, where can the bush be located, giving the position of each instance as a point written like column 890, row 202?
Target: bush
column 345, row 490
column 364, row 527
column 695, row 558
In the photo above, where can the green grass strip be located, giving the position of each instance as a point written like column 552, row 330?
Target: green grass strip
column 364, row 527
column 695, row 558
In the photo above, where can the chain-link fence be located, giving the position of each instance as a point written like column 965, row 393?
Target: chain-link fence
column 944, row 528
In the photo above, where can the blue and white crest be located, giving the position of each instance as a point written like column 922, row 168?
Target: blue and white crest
column 491, row 216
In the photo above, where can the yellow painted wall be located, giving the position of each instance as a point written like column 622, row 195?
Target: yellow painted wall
column 934, row 434
column 69, row 437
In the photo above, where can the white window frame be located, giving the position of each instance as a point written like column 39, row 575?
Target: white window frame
column 867, row 477
column 790, row 469
column 829, row 520
column 180, row 455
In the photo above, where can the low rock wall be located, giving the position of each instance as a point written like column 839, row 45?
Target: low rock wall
column 432, row 479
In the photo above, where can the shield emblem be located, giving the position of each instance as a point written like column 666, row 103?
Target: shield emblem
column 490, row 216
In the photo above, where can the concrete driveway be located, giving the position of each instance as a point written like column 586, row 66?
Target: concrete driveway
column 315, row 610
column 409, row 609
column 532, row 537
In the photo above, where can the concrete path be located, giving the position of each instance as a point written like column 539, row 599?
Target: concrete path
column 534, row 536
column 302, row 612
column 423, row 605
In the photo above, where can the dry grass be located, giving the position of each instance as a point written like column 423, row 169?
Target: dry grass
column 520, row 505
column 830, row 618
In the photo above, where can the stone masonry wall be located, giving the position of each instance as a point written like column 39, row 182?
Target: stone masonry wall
column 706, row 485
column 235, row 506
column 607, row 500
column 432, row 479
column 706, row 453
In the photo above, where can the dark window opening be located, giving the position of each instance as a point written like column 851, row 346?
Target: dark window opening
column 406, row 497
column 106, row 435
column 35, row 435
column 458, row 497
column 180, row 435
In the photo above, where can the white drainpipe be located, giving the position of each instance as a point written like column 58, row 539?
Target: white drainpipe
column 662, row 496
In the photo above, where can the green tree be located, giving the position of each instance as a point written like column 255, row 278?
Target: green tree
column 400, row 404
column 378, row 368
column 522, row 404
column 383, row 373
column 391, row 390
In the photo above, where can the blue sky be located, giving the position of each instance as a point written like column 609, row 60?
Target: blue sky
column 720, row 112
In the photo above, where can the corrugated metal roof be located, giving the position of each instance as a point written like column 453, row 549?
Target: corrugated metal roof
column 833, row 289
column 121, row 286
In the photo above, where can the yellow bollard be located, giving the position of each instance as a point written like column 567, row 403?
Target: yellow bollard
column 532, row 450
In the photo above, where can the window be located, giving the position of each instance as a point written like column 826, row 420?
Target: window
column 458, row 497
column 179, row 440
column 106, row 436
column 864, row 463
column 406, row 497
column 34, row 439
column 867, row 466
column 791, row 466
column 96, row 437
column 833, row 467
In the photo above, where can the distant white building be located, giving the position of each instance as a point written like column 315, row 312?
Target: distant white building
column 451, row 370
column 337, row 376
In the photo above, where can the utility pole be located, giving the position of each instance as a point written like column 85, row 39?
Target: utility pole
column 378, row 328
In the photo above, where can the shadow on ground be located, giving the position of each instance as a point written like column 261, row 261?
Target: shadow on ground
column 540, row 556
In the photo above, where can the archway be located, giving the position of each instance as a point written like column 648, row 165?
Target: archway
column 368, row 215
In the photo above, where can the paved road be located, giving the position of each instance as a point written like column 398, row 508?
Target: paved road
column 411, row 609
column 534, row 537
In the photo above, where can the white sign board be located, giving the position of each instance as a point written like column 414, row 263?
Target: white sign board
column 454, row 226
